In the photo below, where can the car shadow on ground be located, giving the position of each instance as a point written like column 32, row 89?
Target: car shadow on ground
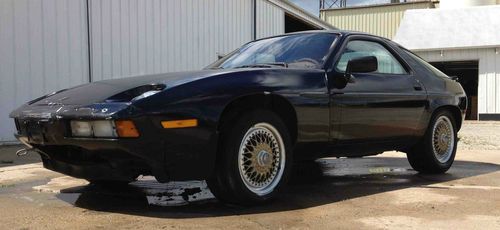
column 325, row 181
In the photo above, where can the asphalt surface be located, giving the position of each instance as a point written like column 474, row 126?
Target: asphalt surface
column 380, row 192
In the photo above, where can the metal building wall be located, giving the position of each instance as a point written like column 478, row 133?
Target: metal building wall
column 153, row 36
column 489, row 73
column 382, row 20
column 270, row 19
column 43, row 48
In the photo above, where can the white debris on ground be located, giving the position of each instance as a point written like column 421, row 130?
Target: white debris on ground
column 173, row 193
column 55, row 185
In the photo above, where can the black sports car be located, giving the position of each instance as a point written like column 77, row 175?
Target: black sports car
column 242, row 122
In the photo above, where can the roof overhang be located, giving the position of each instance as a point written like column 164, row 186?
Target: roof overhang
column 440, row 29
column 380, row 5
column 301, row 14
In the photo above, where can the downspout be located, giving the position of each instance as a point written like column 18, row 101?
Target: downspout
column 254, row 13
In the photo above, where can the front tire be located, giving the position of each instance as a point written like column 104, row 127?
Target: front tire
column 436, row 151
column 254, row 159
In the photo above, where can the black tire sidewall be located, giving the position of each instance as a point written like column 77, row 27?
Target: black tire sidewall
column 428, row 141
column 231, row 145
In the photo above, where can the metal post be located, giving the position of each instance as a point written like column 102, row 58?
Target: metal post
column 89, row 39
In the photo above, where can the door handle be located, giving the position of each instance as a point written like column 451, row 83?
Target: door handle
column 417, row 85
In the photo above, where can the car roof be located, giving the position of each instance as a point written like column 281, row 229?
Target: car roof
column 340, row 32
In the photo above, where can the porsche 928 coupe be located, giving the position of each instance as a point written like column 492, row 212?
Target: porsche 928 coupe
column 242, row 122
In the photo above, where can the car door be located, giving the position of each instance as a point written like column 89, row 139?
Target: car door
column 381, row 106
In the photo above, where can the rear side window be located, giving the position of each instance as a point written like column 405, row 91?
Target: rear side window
column 387, row 63
column 428, row 66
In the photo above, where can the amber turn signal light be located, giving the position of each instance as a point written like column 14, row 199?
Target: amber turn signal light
column 126, row 129
column 179, row 124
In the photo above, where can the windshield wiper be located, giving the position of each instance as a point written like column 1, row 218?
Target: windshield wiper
column 264, row 65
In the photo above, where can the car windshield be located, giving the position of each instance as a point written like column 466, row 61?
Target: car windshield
column 298, row 50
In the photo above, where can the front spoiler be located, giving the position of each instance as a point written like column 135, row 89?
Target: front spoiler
column 94, row 172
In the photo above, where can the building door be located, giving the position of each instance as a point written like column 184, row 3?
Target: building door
column 467, row 73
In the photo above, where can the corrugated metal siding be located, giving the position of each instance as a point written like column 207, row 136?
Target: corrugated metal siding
column 132, row 37
column 379, row 20
column 43, row 48
column 44, row 43
column 489, row 73
column 270, row 19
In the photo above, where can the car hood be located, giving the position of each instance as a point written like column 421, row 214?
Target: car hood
column 100, row 91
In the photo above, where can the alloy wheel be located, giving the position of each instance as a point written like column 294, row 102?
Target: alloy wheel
column 261, row 158
column 443, row 139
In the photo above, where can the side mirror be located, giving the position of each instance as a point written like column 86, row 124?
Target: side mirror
column 362, row 65
column 365, row 64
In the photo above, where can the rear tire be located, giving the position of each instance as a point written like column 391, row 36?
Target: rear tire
column 436, row 151
column 254, row 159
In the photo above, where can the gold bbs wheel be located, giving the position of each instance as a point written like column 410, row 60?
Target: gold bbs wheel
column 443, row 139
column 261, row 158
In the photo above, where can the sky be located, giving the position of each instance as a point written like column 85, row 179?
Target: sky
column 312, row 6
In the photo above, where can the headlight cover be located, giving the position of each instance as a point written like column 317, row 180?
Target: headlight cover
column 146, row 94
column 137, row 93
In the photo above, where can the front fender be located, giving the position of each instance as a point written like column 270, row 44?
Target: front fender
column 190, row 153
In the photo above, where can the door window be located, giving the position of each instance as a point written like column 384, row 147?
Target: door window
column 387, row 63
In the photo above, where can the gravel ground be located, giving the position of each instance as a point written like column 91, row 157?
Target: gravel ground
column 480, row 135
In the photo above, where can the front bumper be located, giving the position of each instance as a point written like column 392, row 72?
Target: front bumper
column 182, row 154
column 92, row 158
